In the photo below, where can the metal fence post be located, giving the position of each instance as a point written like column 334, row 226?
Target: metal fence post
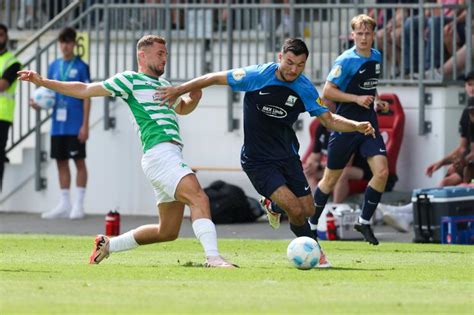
column 40, row 182
column 422, row 124
column 230, row 94
column 109, row 122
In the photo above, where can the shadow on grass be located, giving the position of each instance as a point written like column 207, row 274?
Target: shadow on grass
column 26, row 270
column 353, row 269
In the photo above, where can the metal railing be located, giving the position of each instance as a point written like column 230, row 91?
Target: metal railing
column 204, row 37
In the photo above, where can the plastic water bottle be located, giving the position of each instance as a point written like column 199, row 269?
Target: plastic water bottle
column 331, row 231
column 112, row 223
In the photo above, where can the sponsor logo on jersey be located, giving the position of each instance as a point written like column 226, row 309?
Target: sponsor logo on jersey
column 369, row 84
column 336, row 71
column 320, row 102
column 377, row 68
column 291, row 100
column 238, row 74
column 273, row 111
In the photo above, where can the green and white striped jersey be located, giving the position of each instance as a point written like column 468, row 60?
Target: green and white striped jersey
column 156, row 122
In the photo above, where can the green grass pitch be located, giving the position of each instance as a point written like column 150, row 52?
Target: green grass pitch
column 44, row 274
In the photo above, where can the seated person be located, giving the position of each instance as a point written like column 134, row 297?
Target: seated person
column 316, row 162
column 465, row 150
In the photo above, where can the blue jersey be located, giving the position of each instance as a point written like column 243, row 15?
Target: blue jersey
column 271, row 107
column 68, row 112
column 357, row 75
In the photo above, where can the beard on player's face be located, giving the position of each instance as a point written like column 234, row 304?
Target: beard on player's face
column 154, row 69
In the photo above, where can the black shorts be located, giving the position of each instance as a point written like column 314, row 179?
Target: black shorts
column 342, row 145
column 67, row 147
column 266, row 177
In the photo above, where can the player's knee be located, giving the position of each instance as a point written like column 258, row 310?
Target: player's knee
column 295, row 212
column 169, row 236
column 382, row 174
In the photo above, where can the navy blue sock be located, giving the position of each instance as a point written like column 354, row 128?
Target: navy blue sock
column 276, row 208
column 371, row 200
column 320, row 200
column 302, row 230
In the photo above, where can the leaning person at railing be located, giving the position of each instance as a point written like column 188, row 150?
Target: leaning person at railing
column 9, row 66
column 276, row 94
column 174, row 182
column 455, row 64
column 432, row 30
column 388, row 39
column 69, row 128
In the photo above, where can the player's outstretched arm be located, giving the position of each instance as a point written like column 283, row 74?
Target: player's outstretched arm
column 169, row 94
column 341, row 124
column 74, row 89
column 188, row 103
column 332, row 92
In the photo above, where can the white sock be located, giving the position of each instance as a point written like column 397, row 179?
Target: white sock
column 81, row 192
column 65, row 197
column 205, row 232
column 123, row 242
column 362, row 221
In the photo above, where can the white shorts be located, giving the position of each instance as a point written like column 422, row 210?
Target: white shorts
column 164, row 167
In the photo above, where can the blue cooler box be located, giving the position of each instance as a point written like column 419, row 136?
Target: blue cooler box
column 430, row 204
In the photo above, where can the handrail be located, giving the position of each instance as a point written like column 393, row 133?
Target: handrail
column 47, row 27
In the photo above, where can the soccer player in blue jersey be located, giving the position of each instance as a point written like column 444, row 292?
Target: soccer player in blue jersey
column 352, row 84
column 276, row 93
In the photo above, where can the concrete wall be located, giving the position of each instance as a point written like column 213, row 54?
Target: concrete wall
column 117, row 181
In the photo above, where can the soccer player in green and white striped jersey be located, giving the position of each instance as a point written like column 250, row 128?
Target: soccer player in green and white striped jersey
column 174, row 182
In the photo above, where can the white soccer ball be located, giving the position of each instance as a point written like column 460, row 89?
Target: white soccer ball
column 303, row 252
column 44, row 98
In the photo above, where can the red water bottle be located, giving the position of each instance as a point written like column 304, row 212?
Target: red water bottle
column 331, row 232
column 112, row 223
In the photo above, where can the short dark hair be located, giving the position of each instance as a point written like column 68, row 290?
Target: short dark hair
column 67, row 35
column 4, row 28
column 469, row 76
column 296, row 46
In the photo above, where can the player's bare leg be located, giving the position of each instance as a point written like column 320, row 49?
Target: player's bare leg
column 189, row 191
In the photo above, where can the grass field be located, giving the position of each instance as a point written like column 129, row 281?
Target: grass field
column 49, row 275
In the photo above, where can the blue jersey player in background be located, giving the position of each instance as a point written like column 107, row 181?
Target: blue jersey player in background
column 352, row 84
column 276, row 93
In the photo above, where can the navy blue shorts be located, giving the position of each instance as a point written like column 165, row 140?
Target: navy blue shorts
column 342, row 145
column 266, row 177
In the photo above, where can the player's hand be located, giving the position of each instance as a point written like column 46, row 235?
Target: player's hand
column 167, row 95
column 365, row 100
column 33, row 104
column 83, row 134
column 312, row 164
column 366, row 128
column 30, row 76
column 382, row 106
column 432, row 168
